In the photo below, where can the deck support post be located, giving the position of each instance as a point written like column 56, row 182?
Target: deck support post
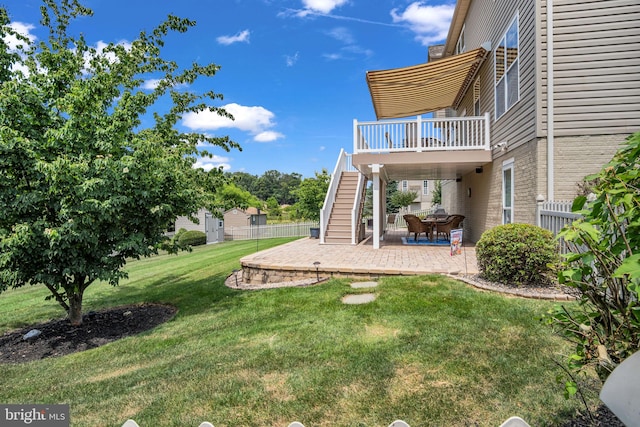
column 378, row 193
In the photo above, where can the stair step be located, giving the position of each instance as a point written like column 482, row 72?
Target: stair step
column 339, row 229
column 340, row 241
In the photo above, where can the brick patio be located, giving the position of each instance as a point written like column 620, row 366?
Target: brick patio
column 295, row 260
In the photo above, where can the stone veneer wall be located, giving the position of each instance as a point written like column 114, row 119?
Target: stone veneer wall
column 260, row 275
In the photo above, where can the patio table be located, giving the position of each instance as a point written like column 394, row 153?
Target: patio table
column 432, row 223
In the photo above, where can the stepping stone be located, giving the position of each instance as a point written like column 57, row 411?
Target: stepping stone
column 358, row 299
column 359, row 285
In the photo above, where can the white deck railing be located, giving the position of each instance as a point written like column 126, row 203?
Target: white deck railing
column 420, row 134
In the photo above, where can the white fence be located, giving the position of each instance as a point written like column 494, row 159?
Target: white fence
column 553, row 216
column 256, row 232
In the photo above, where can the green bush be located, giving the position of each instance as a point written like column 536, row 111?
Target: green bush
column 192, row 238
column 604, row 267
column 517, row 254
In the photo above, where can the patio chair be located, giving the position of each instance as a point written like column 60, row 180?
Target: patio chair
column 451, row 223
column 415, row 226
column 391, row 221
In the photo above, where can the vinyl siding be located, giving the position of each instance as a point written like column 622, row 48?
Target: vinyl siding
column 596, row 67
column 187, row 224
column 488, row 20
column 236, row 218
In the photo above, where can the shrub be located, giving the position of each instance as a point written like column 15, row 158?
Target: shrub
column 192, row 238
column 517, row 254
column 604, row 268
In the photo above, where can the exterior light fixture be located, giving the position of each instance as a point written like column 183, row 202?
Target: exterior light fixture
column 317, row 263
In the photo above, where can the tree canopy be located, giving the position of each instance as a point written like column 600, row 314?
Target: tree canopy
column 311, row 195
column 271, row 183
column 83, row 185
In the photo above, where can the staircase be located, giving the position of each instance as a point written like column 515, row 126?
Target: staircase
column 339, row 226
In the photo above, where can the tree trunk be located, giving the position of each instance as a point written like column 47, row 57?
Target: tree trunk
column 75, row 308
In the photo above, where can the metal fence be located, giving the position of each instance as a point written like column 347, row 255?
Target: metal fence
column 554, row 215
column 297, row 229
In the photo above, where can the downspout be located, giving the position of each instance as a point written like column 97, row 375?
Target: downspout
column 550, row 95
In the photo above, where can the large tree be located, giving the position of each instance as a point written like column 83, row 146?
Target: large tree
column 83, row 184
column 311, row 194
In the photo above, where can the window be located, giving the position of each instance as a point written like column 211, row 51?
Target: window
column 461, row 45
column 405, row 185
column 506, row 70
column 425, row 187
column 507, row 191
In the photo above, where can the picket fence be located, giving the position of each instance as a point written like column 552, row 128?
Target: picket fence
column 554, row 215
column 270, row 231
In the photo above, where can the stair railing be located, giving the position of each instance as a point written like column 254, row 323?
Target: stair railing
column 343, row 164
column 356, row 211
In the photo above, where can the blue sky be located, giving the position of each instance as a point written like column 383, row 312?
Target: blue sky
column 292, row 71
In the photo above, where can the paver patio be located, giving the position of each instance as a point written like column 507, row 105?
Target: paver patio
column 393, row 258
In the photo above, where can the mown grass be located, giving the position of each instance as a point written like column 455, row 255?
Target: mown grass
column 429, row 350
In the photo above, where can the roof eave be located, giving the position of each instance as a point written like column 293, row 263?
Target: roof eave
column 457, row 22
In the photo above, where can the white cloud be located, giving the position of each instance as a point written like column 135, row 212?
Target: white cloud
column 332, row 56
column 242, row 36
column 207, row 163
column 322, row 6
column 150, row 84
column 268, row 136
column 429, row 23
column 342, row 34
column 100, row 47
column 291, row 60
column 256, row 120
column 22, row 29
column 315, row 7
column 350, row 47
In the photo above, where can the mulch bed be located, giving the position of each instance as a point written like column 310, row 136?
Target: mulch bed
column 59, row 337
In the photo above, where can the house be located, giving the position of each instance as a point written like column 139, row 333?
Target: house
column 237, row 217
column 424, row 190
column 528, row 112
column 207, row 223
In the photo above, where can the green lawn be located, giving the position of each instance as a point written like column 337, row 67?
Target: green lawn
column 429, row 350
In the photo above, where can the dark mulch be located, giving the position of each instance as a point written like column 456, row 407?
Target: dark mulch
column 59, row 337
column 602, row 417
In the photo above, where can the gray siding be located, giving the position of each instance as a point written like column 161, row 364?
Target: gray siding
column 488, row 20
column 596, row 67
column 187, row 224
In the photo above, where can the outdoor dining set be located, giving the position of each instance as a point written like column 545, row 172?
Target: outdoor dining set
column 433, row 225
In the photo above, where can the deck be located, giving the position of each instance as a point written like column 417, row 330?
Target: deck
column 295, row 260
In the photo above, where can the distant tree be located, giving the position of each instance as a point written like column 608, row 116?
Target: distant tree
column 268, row 185
column 311, row 195
column 282, row 186
column 243, row 180
column 392, row 188
column 84, row 186
column 274, row 207
column 231, row 196
column 289, row 183
column 403, row 198
column 436, row 196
